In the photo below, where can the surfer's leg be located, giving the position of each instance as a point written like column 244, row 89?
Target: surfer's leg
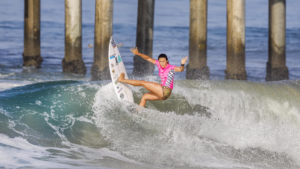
column 148, row 96
column 152, row 87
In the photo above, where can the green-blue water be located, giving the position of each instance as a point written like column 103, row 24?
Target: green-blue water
column 204, row 124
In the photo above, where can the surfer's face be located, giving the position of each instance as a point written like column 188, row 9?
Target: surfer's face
column 163, row 62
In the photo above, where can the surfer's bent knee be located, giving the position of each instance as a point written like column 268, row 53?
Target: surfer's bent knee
column 144, row 97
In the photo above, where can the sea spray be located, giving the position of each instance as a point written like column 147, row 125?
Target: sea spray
column 244, row 127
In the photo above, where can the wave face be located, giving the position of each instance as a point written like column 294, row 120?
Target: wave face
column 204, row 124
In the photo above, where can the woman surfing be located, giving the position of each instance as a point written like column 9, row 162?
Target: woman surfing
column 166, row 73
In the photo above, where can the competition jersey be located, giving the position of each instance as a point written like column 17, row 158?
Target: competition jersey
column 166, row 74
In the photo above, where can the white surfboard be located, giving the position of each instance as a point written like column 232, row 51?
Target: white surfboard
column 116, row 67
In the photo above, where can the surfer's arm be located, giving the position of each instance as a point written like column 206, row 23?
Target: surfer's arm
column 181, row 68
column 136, row 52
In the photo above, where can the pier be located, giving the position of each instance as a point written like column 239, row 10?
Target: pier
column 73, row 63
column 235, row 66
column 276, row 68
column 32, row 45
column 144, row 37
column 103, row 32
column 276, row 65
column 197, row 67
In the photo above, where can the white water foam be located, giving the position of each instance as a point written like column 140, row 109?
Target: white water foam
column 252, row 116
column 2, row 75
column 250, row 129
column 166, row 140
column 18, row 152
column 4, row 85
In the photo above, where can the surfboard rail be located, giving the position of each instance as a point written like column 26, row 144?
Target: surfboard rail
column 116, row 67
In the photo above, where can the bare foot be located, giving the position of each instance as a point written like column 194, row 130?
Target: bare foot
column 121, row 77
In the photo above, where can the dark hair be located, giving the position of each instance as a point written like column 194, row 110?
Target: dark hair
column 163, row 56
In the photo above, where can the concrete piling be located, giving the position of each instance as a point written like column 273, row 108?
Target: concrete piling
column 103, row 32
column 144, row 37
column 72, row 62
column 197, row 67
column 276, row 65
column 235, row 66
column 32, row 47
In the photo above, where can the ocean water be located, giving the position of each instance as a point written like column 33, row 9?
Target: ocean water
column 52, row 119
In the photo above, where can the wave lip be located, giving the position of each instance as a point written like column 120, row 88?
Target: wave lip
column 8, row 84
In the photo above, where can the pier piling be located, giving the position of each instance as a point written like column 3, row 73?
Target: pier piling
column 235, row 66
column 32, row 47
column 197, row 67
column 276, row 65
column 144, row 37
column 103, row 32
column 72, row 62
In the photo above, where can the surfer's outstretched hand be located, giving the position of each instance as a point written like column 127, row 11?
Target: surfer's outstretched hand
column 183, row 60
column 134, row 50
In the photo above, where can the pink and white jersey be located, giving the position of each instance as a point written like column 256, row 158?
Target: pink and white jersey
column 166, row 74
